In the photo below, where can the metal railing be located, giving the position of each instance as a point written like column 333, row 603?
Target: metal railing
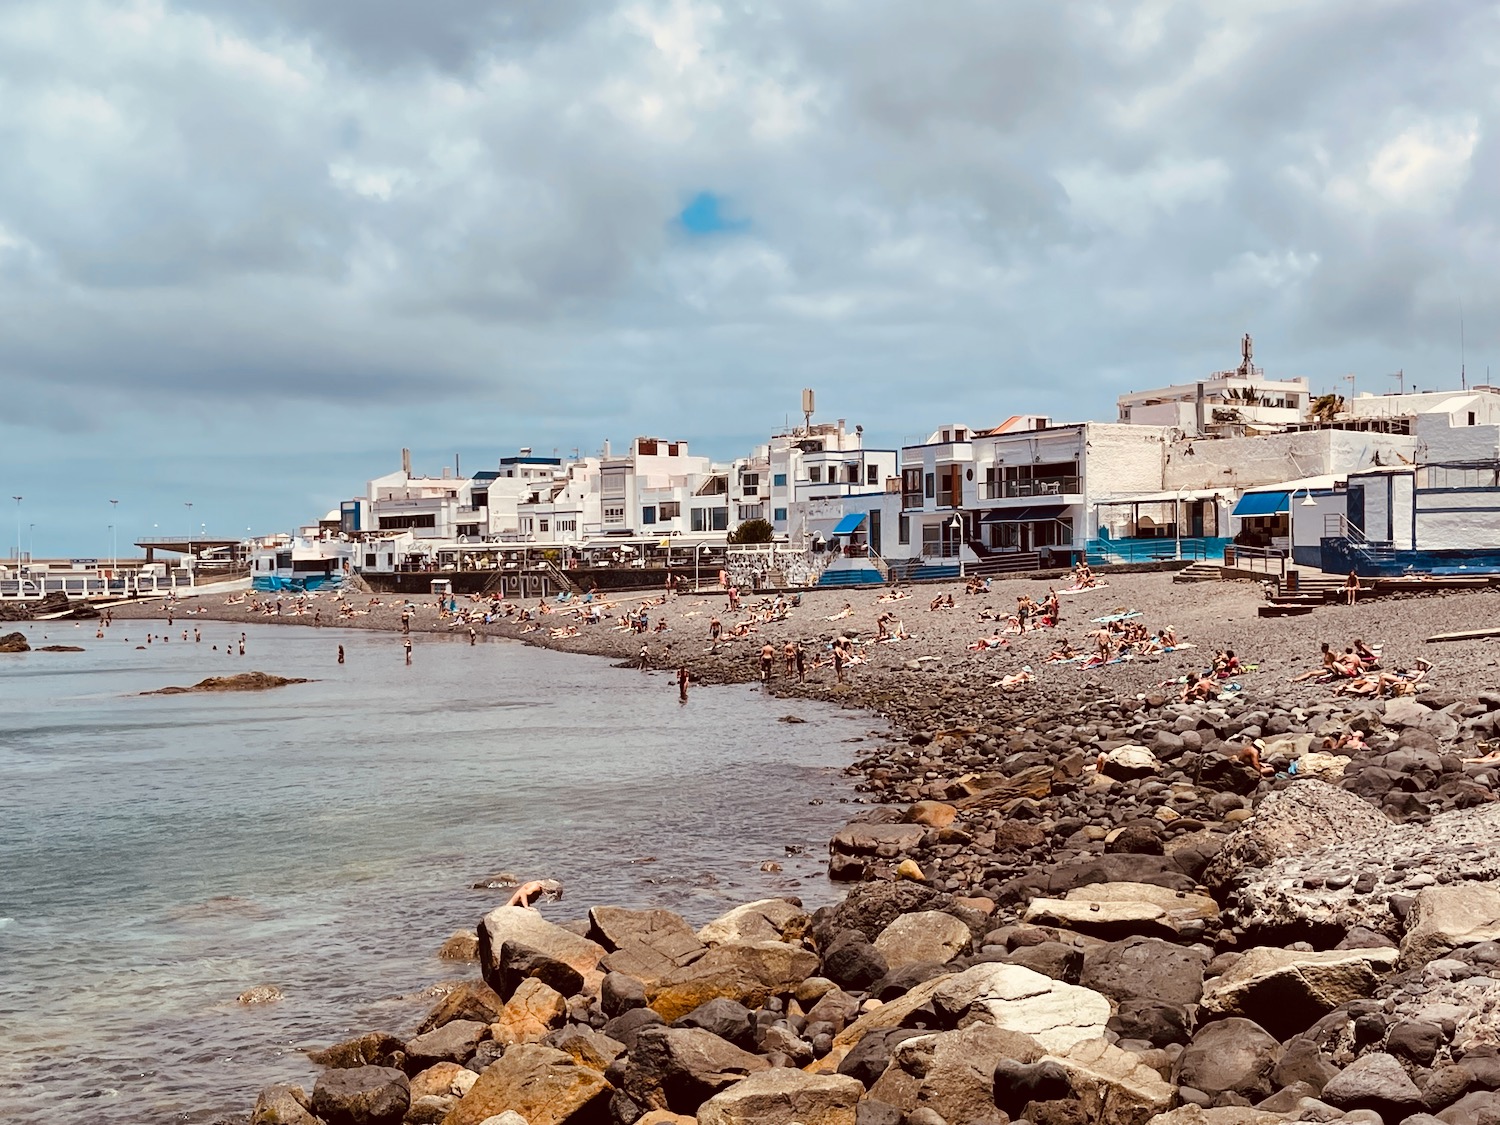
column 1030, row 488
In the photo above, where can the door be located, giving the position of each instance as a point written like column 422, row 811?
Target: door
column 876, row 545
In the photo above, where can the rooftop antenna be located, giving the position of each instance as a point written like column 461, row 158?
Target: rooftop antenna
column 1247, row 354
column 807, row 409
column 1463, row 367
column 1350, row 378
column 1401, row 377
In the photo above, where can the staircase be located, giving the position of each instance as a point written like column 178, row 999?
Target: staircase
column 1313, row 589
column 1201, row 571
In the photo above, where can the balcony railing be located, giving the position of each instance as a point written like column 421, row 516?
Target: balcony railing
column 1017, row 489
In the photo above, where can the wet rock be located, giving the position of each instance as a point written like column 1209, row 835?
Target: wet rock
column 363, row 1050
column 681, row 1068
column 442, row 1079
column 621, row 992
column 543, row 1085
column 1230, row 1056
column 260, row 994
column 781, row 1097
column 525, row 929
column 1285, row 990
column 243, row 681
column 928, row 935
column 886, row 840
column 520, row 962
column 362, row 1095
column 282, row 1105
column 746, row 973
column 462, row 946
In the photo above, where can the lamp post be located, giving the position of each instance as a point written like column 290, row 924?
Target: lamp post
column 957, row 527
column 18, row 500
column 1291, row 523
column 114, row 537
column 1177, row 524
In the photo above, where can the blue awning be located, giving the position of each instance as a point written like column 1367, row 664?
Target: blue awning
column 1262, row 504
column 850, row 523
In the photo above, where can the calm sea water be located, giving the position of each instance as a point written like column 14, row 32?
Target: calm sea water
column 161, row 854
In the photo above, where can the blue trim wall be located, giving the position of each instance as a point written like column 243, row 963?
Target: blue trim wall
column 1335, row 556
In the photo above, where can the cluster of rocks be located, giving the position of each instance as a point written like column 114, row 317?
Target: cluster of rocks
column 14, row 642
column 1065, row 909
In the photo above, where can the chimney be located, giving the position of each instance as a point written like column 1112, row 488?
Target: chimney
column 406, row 461
column 606, row 447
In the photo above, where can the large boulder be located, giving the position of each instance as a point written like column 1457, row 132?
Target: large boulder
column 951, row 1073
column 644, row 944
column 782, row 1097
column 524, row 930
column 543, row 1085
column 1285, row 991
column 530, row 1014
column 748, row 973
column 587, row 1047
column 1107, row 920
column 1154, row 984
column 373, row 1048
column 362, row 1095
column 852, row 962
column 1233, row 1056
column 1406, row 713
column 1114, row 1087
column 1375, row 1081
column 472, row 1000
column 1291, row 821
column 769, row 919
column 14, row 642
column 281, row 1105
column 454, row 1042
column 1057, row 1015
column 885, row 840
column 681, row 1068
column 929, row 935
column 1449, row 917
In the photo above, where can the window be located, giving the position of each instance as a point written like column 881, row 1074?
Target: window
column 851, row 472
column 669, row 510
column 541, row 525
column 472, row 529
column 903, row 529
column 872, row 474
column 779, row 515
column 480, row 500
column 399, row 523
column 779, row 480
column 369, row 562
column 929, row 489
column 911, row 488
column 710, row 519
column 815, row 474
column 752, row 512
column 648, row 514
column 567, row 525
column 749, row 482
column 614, row 515
column 612, row 483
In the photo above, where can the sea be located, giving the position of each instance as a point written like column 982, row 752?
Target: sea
column 162, row 854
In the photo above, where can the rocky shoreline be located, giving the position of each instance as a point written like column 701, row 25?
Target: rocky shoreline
column 1081, row 900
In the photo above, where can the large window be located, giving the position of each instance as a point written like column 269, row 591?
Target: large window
column 911, row 488
column 669, row 510
column 779, row 515
column 401, row 523
column 648, row 515
column 614, row 515
column 710, row 519
column 903, row 529
column 612, row 483
column 815, row 474
column 749, row 482
column 872, row 474
column 779, row 480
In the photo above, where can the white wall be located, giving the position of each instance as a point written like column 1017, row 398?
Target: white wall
column 1444, row 441
column 1247, row 462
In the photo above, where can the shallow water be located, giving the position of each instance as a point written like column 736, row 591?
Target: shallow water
column 161, row 854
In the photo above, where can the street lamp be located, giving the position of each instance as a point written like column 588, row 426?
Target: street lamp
column 1177, row 524
column 957, row 527
column 114, row 537
column 18, row 500
column 1291, row 523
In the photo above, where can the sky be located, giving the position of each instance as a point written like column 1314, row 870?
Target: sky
column 250, row 251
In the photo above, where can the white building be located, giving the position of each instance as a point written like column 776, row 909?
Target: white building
column 816, row 461
column 1228, row 402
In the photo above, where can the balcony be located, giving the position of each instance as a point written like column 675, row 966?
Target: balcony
column 1026, row 489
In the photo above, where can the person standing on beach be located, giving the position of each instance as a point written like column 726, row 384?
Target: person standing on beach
column 407, row 645
column 405, row 622
column 838, row 660
column 644, row 659
column 683, row 679
column 801, row 662
column 789, row 654
column 767, row 660
column 341, row 654
column 242, row 644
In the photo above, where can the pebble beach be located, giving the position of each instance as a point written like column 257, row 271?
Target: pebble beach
column 1076, row 898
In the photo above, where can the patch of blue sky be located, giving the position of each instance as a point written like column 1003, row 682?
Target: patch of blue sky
column 705, row 215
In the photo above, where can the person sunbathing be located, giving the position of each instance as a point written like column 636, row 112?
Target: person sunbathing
column 1201, row 689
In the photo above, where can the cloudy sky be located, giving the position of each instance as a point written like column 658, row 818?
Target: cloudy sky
column 248, row 250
